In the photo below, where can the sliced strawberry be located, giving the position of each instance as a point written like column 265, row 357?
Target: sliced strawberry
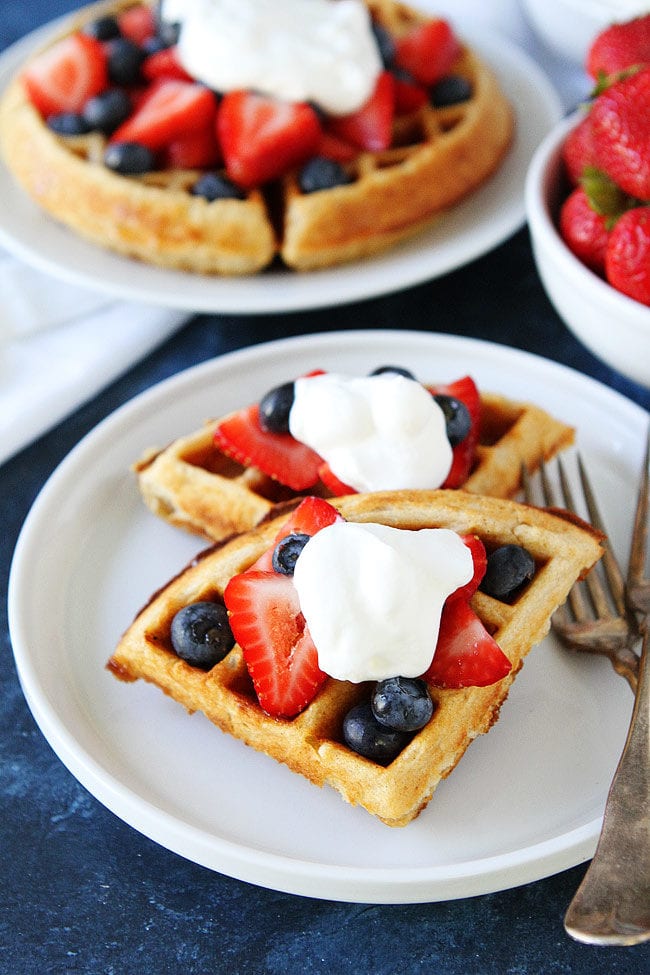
column 466, row 655
column 428, row 52
column 164, row 64
column 479, row 555
column 337, row 149
column 171, row 110
column 371, row 127
column 464, row 389
column 267, row 624
column 332, row 483
column 137, row 23
column 197, row 150
column 309, row 517
column 409, row 96
column 63, row 77
column 278, row 455
column 262, row 138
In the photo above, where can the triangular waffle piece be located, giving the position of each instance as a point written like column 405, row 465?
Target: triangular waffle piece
column 194, row 486
column 438, row 156
column 311, row 743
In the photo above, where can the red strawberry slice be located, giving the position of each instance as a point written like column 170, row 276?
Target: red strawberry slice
column 164, row 64
column 309, row 517
column 280, row 655
column 409, row 96
column 137, row 23
column 337, row 149
column 169, row 111
column 63, row 77
column 371, row 127
column 262, row 138
column 464, row 389
column 241, row 437
column 428, row 52
column 479, row 556
column 466, row 655
column 332, row 482
column 197, row 150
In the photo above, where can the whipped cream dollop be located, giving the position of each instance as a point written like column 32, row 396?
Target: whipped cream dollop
column 372, row 596
column 299, row 50
column 383, row 432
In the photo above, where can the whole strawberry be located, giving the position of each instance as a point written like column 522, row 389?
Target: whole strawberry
column 627, row 258
column 620, row 127
column 584, row 231
column 578, row 150
column 619, row 47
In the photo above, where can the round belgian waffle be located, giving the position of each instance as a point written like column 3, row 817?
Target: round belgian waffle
column 438, row 156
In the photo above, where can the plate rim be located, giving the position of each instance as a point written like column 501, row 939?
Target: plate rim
column 278, row 871
column 407, row 265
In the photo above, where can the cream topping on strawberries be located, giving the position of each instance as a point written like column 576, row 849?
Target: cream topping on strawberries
column 298, row 50
column 385, row 591
column 382, row 432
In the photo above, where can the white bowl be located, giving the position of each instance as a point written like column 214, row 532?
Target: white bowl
column 568, row 27
column 612, row 326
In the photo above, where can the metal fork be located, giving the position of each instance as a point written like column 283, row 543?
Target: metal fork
column 602, row 623
column 612, row 904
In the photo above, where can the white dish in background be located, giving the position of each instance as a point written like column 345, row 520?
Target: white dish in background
column 525, row 801
column 471, row 229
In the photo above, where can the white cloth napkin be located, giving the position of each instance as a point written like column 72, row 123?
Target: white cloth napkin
column 59, row 344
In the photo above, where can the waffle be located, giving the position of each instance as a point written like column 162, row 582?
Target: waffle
column 192, row 485
column 311, row 743
column 438, row 156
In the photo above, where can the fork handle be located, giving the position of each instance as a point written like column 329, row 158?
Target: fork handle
column 612, row 905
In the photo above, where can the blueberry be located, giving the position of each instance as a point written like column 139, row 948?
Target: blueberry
column 450, row 91
column 129, row 158
column 212, row 186
column 275, row 407
column 385, row 44
column 68, row 123
column 402, row 703
column 287, row 551
column 397, row 369
column 168, row 32
column 124, row 60
column 201, row 634
column 457, row 418
column 508, row 569
column 107, row 110
column 103, row 28
column 321, row 173
column 366, row 736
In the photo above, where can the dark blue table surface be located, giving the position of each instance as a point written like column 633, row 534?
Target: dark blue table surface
column 82, row 892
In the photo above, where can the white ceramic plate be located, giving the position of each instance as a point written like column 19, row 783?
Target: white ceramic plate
column 486, row 219
column 526, row 800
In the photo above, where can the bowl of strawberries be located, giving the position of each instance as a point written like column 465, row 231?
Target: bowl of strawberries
column 588, row 205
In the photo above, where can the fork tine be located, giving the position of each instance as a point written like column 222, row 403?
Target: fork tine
column 638, row 585
column 610, row 564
